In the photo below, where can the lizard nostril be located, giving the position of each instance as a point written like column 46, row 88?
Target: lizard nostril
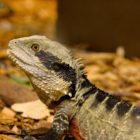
column 13, row 43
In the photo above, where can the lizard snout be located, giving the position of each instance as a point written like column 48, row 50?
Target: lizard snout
column 13, row 42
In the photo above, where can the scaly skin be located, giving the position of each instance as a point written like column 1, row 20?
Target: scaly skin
column 82, row 110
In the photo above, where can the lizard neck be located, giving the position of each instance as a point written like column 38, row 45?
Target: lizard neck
column 84, row 88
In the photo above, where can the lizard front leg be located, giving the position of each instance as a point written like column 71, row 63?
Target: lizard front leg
column 60, row 126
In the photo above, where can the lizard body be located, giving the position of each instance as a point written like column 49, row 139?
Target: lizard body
column 82, row 110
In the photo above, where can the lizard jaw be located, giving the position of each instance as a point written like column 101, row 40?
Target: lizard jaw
column 20, row 62
column 14, row 58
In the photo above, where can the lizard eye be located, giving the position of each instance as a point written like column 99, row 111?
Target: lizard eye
column 35, row 47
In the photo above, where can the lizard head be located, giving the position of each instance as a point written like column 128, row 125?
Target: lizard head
column 49, row 65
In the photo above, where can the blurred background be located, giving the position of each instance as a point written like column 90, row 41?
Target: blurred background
column 105, row 34
column 102, row 25
column 26, row 17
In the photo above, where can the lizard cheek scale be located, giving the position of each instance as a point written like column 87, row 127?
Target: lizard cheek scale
column 82, row 110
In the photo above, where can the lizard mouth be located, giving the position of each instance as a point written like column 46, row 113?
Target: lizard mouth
column 19, row 60
column 15, row 58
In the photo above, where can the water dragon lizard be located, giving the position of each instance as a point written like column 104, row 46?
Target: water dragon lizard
column 81, row 109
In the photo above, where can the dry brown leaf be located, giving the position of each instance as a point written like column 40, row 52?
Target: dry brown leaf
column 5, row 137
column 7, row 120
column 15, row 129
column 8, row 112
column 42, row 124
column 34, row 109
column 130, row 72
